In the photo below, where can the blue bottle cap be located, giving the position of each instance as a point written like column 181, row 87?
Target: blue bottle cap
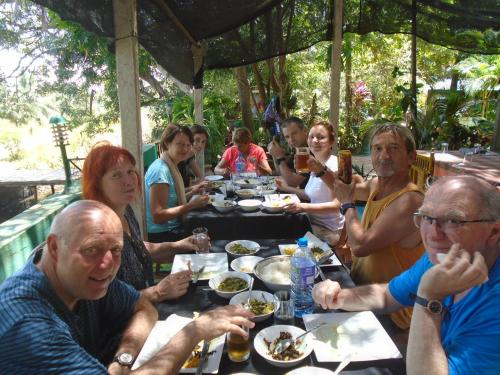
column 302, row 242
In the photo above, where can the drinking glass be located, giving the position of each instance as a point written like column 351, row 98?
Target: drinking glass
column 285, row 312
column 238, row 347
column 301, row 158
column 444, row 147
column 201, row 239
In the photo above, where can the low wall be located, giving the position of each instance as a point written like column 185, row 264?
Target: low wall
column 21, row 234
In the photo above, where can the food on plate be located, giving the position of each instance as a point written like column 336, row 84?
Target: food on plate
column 289, row 250
column 287, row 199
column 240, row 249
column 317, row 252
column 194, row 359
column 277, row 272
column 248, row 181
column 246, row 269
column 289, row 353
column 259, row 307
column 232, row 284
column 245, row 193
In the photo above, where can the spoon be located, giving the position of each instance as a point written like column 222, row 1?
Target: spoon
column 247, row 305
column 282, row 345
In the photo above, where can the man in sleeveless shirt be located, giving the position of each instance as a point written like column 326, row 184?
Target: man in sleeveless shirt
column 385, row 242
column 454, row 287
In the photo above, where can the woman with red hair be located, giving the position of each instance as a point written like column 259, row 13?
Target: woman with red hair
column 110, row 176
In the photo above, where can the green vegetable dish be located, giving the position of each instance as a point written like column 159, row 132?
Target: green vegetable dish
column 260, row 307
column 240, row 249
column 317, row 252
column 232, row 284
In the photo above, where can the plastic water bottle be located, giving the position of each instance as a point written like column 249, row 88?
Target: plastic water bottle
column 302, row 275
column 240, row 165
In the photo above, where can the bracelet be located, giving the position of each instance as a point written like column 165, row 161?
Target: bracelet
column 322, row 172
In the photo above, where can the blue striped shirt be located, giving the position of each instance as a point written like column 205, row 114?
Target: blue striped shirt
column 39, row 334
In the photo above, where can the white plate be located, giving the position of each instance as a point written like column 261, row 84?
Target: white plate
column 310, row 370
column 214, row 177
column 215, row 263
column 359, row 335
column 248, row 244
column 161, row 334
column 312, row 241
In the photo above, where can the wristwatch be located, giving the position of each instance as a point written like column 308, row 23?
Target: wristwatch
column 345, row 206
column 124, row 359
column 434, row 306
column 280, row 160
column 322, row 172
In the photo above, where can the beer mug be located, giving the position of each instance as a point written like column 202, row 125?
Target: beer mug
column 301, row 158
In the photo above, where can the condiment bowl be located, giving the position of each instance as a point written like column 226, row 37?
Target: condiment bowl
column 223, row 206
column 215, row 282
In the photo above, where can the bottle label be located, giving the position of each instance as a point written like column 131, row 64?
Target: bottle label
column 306, row 275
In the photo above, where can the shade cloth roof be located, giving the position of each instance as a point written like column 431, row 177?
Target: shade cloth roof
column 240, row 32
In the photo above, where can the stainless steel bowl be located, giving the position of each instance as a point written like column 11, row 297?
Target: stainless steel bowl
column 260, row 266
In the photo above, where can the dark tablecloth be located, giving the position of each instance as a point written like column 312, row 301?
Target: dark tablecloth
column 200, row 299
column 238, row 224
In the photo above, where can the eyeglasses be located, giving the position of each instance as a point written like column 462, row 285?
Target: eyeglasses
column 444, row 224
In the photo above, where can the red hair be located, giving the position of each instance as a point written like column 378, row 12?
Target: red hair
column 100, row 159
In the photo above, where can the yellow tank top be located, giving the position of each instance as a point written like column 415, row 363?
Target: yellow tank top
column 385, row 264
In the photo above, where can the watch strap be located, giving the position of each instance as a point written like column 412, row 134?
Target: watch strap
column 345, row 206
column 434, row 306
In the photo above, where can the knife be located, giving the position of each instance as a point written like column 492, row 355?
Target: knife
column 198, row 274
column 203, row 357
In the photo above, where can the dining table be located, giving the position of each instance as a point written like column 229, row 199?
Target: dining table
column 240, row 224
column 200, row 298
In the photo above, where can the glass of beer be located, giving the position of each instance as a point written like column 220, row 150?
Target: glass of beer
column 301, row 158
column 238, row 347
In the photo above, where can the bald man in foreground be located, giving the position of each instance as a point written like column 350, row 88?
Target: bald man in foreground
column 454, row 287
column 65, row 308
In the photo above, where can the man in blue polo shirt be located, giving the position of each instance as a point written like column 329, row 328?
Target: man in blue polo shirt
column 454, row 287
column 65, row 312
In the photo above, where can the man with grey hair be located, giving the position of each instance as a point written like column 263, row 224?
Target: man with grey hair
column 65, row 311
column 384, row 242
column 454, row 287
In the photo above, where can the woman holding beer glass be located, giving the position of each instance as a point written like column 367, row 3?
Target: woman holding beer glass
column 110, row 176
column 323, row 209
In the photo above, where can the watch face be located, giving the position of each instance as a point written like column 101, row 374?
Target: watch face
column 125, row 359
column 435, row 307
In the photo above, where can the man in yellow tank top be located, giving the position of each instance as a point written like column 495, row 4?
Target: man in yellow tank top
column 385, row 242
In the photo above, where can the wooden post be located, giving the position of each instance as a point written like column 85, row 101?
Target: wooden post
column 338, row 6
column 413, row 101
column 198, row 105
column 127, row 69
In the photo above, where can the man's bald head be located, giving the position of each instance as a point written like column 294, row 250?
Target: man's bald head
column 468, row 193
column 80, row 213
